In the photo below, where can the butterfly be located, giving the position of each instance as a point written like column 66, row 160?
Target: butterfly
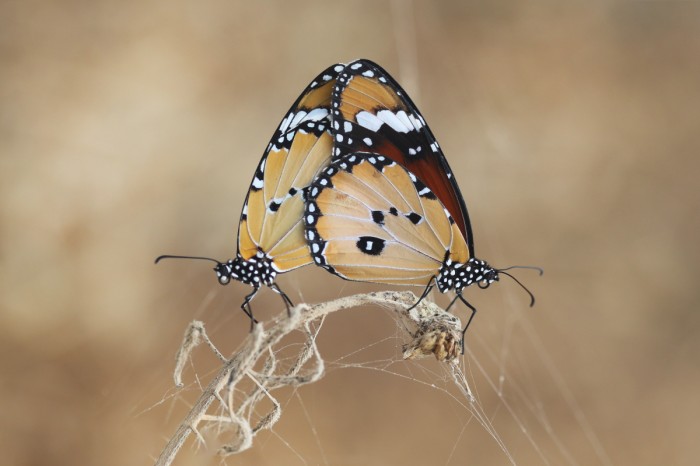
column 389, row 209
column 370, row 219
column 271, row 231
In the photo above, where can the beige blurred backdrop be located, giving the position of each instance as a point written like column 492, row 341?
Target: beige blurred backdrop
column 132, row 129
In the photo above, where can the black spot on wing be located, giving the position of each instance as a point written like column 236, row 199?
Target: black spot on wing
column 371, row 245
column 378, row 217
column 274, row 206
column 414, row 218
column 393, row 211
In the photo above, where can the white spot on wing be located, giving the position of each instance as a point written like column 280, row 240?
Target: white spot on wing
column 416, row 122
column 369, row 121
column 401, row 115
column 285, row 123
column 317, row 114
column 297, row 118
column 388, row 117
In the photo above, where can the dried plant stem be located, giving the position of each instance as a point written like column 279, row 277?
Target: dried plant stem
column 434, row 331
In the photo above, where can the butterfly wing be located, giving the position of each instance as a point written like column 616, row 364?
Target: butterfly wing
column 371, row 112
column 369, row 219
column 300, row 148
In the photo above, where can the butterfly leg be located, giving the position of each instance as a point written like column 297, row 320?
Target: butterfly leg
column 285, row 298
column 247, row 309
column 427, row 291
column 473, row 309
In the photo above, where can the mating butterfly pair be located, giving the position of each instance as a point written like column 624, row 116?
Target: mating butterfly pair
column 354, row 180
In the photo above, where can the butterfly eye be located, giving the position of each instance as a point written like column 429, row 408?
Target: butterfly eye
column 224, row 279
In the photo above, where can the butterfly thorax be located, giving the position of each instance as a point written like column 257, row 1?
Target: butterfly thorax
column 457, row 276
column 255, row 271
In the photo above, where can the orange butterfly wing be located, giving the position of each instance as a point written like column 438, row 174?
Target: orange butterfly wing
column 271, row 221
column 369, row 219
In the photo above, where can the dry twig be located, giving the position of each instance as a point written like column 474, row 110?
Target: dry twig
column 433, row 331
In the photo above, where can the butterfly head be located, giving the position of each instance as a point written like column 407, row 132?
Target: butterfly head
column 225, row 272
column 488, row 275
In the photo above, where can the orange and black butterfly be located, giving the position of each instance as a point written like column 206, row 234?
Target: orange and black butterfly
column 271, row 230
column 389, row 210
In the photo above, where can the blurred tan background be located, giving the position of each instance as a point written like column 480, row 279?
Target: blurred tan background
column 132, row 129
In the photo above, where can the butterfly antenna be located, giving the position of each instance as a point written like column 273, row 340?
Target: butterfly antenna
column 186, row 257
column 532, row 297
column 531, row 267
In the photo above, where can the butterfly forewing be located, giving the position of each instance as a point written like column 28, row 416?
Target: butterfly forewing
column 373, row 113
column 300, row 148
column 368, row 220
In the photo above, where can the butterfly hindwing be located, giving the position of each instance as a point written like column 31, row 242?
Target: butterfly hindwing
column 371, row 112
column 300, row 148
column 369, row 219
